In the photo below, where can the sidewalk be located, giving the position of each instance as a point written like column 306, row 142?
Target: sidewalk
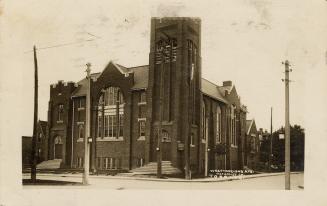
column 147, row 178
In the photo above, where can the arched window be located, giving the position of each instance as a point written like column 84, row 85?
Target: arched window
column 218, row 125
column 111, row 95
column 58, row 140
column 81, row 131
column 204, row 122
column 166, row 49
column 111, row 113
column 233, row 125
column 192, row 70
column 60, row 113
column 165, row 136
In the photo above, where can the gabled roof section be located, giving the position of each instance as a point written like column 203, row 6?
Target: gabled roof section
column 141, row 74
column 140, row 78
column 121, row 68
column 212, row 90
column 249, row 124
column 80, row 91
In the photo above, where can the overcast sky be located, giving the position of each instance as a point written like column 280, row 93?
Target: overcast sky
column 243, row 41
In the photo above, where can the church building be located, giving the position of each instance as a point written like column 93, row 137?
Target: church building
column 164, row 107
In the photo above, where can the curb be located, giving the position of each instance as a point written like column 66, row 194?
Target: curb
column 205, row 180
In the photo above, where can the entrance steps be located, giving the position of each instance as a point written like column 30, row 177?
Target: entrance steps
column 49, row 164
column 151, row 168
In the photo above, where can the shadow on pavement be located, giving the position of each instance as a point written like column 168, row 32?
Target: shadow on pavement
column 49, row 182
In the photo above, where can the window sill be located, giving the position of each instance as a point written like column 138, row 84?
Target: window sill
column 80, row 123
column 80, row 140
column 141, row 119
column 203, row 141
column 60, row 121
column 141, row 138
column 234, row 146
column 141, row 103
column 192, row 145
column 110, row 139
column 80, row 108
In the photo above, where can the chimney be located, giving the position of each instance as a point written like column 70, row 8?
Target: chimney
column 227, row 83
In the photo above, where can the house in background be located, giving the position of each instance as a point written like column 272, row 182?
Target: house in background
column 252, row 152
column 41, row 145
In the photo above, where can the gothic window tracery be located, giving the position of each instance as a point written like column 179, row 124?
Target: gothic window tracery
column 111, row 113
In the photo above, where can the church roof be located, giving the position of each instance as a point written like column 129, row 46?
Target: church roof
column 81, row 89
column 141, row 74
column 212, row 90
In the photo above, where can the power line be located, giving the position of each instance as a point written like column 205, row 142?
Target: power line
column 62, row 45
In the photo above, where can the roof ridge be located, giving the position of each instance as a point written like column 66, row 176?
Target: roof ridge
column 210, row 82
column 138, row 66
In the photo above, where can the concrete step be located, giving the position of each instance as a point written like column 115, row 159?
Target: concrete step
column 151, row 168
column 49, row 164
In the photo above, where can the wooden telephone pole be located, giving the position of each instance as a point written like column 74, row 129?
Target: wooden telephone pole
column 87, row 128
column 271, row 137
column 33, row 153
column 287, row 127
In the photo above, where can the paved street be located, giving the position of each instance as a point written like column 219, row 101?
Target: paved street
column 265, row 183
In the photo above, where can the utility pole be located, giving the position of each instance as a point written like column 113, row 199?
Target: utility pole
column 87, row 128
column 271, row 137
column 33, row 153
column 190, row 114
column 287, row 127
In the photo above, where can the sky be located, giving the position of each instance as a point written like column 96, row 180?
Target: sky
column 244, row 41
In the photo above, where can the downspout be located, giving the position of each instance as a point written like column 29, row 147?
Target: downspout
column 206, row 126
column 131, row 122
column 225, row 135
column 72, row 152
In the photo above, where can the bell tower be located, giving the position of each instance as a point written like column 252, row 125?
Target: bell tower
column 173, row 94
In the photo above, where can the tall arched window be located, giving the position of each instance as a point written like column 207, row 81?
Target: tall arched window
column 60, row 113
column 218, row 125
column 233, row 125
column 81, row 131
column 204, row 122
column 192, row 69
column 111, row 114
